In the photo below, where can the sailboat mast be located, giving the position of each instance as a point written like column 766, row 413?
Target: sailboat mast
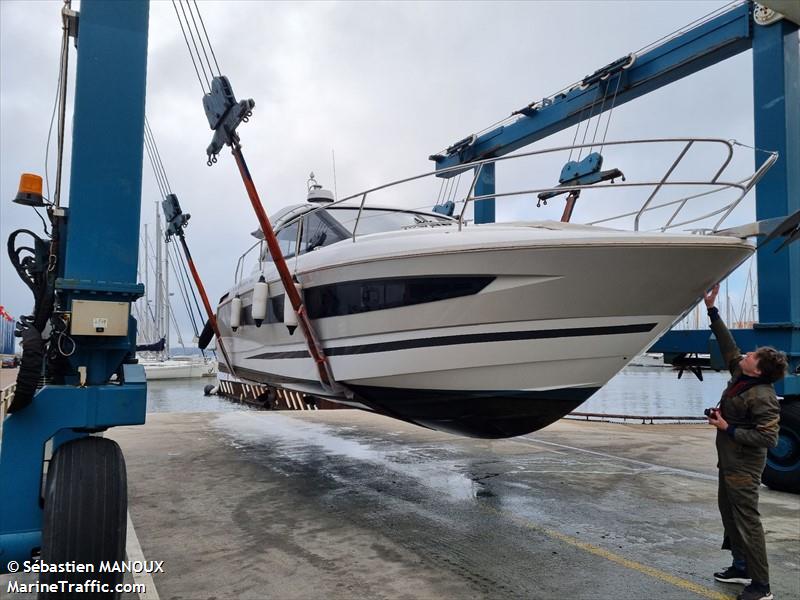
column 159, row 279
column 145, row 325
column 727, row 304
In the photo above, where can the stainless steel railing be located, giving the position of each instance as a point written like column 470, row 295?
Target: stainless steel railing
column 716, row 156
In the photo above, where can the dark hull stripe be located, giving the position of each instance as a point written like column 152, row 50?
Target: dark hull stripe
column 473, row 338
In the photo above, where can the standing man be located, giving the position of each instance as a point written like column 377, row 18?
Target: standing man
column 747, row 424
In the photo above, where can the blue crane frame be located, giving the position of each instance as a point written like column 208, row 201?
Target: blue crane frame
column 776, row 89
column 99, row 263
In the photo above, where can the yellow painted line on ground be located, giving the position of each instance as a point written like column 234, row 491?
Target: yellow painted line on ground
column 663, row 576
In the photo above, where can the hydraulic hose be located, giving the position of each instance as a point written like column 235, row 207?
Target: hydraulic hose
column 37, row 270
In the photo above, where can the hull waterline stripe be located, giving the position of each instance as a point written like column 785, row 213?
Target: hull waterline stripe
column 473, row 338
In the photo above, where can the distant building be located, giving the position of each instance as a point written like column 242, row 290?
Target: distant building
column 7, row 324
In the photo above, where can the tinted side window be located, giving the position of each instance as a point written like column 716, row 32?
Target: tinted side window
column 274, row 312
column 353, row 297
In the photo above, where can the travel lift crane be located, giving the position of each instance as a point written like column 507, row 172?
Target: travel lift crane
column 773, row 38
column 87, row 275
column 92, row 262
column 90, row 280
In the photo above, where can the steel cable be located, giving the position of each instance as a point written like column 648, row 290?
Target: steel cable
column 610, row 111
column 197, row 38
column 200, row 38
column 190, row 285
column 150, row 154
column 53, row 118
column 188, row 47
column 162, row 180
column 182, row 288
column 187, row 283
column 210, row 47
column 159, row 162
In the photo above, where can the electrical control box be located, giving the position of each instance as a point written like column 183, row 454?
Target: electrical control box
column 95, row 317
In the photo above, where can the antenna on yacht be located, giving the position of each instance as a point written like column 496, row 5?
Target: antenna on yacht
column 333, row 160
column 316, row 193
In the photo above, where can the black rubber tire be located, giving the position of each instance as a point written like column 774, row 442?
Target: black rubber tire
column 783, row 463
column 85, row 512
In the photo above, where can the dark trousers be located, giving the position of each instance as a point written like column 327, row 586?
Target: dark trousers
column 744, row 535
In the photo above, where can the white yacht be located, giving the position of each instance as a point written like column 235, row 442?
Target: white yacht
column 491, row 330
column 179, row 367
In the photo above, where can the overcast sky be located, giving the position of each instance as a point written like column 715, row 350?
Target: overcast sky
column 383, row 84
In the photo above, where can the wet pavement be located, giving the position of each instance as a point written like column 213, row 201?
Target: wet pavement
column 344, row 504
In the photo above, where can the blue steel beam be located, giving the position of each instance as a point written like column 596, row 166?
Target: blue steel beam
column 707, row 44
column 702, row 340
column 776, row 103
column 102, row 241
column 776, row 90
column 106, row 174
column 484, row 209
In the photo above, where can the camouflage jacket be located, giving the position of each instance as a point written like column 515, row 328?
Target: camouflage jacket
column 753, row 415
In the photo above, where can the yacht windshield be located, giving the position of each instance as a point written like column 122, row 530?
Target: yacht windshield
column 376, row 220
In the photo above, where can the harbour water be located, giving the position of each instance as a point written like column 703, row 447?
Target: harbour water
column 657, row 392
column 186, row 396
column 634, row 391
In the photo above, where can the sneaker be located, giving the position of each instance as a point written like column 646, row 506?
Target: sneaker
column 755, row 591
column 732, row 575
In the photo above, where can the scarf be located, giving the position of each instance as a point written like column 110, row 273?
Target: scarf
column 740, row 385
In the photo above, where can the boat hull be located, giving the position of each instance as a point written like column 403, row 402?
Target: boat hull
column 476, row 413
column 557, row 320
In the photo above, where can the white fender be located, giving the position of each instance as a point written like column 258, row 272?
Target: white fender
column 289, row 316
column 259, row 308
column 236, row 313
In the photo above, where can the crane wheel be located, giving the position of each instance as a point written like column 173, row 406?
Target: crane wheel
column 85, row 513
column 783, row 462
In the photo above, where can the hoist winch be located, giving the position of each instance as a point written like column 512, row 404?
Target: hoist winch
column 580, row 173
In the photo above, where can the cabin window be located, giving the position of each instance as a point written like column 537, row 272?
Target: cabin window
column 287, row 240
column 274, row 312
column 378, row 220
column 318, row 232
